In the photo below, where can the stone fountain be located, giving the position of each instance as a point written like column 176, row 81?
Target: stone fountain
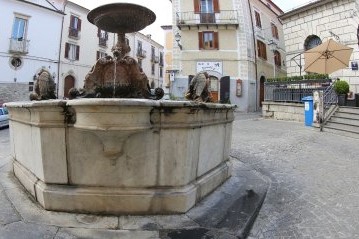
column 120, row 155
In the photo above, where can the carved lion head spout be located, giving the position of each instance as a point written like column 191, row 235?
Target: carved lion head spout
column 44, row 86
column 199, row 88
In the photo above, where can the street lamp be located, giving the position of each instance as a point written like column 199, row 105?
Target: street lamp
column 178, row 39
column 273, row 47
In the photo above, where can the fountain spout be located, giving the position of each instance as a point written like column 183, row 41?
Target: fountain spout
column 119, row 76
column 121, row 48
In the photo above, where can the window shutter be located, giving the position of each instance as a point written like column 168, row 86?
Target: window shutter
column 67, row 48
column 77, row 52
column 196, row 6
column 215, row 40
column 72, row 21
column 79, row 25
column 216, row 6
column 200, row 40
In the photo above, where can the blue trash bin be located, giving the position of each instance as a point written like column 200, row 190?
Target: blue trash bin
column 308, row 110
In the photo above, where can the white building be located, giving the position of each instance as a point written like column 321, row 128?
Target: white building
column 231, row 40
column 312, row 24
column 29, row 41
column 83, row 43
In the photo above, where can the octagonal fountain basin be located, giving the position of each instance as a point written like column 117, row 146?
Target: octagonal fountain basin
column 120, row 156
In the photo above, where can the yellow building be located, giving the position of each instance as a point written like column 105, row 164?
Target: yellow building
column 238, row 42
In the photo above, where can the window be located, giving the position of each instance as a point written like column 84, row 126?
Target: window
column 277, row 58
column 206, row 6
column 161, row 72
column 100, row 54
column 140, row 52
column 262, row 50
column 15, row 62
column 19, row 29
column 274, row 31
column 102, row 36
column 153, row 54
column 75, row 26
column 258, row 19
column 161, row 58
column 153, row 69
column 312, row 41
column 208, row 40
column 72, row 51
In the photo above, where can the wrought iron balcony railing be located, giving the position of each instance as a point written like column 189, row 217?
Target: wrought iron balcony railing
column 74, row 32
column 19, row 45
column 102, row 42
column 155, row 59
column 141, row 53
column 224, row 17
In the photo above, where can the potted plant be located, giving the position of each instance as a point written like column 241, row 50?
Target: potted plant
column 342, row 89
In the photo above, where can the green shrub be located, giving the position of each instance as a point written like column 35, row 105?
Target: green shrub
column 341, row 87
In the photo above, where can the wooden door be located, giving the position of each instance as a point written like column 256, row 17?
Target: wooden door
column 225, row 90
column 261, row 90
column 69, row 83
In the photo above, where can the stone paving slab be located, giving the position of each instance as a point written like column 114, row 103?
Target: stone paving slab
column 72, row 233
column 21, row 230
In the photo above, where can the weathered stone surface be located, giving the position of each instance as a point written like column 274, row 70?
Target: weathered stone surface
column 22, row 230
column 72, row 233
column 8, row 214
column 114, row 156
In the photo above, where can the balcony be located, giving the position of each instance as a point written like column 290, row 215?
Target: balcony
column 19, row 45
column 74, row 33
column 140, row 53
column 155, row 59
column 161, row 61
column 226, row 18
column 102, row 42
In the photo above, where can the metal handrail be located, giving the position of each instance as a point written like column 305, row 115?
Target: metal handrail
column 223, row 17
column 330, row 104
column 19, row 45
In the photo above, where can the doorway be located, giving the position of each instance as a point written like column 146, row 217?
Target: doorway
column 69, row 83
column 214, row 88
column 261, row 90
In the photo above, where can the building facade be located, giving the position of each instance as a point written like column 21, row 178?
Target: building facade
column 230, row 39
column 56, row 36
column 317, row 22
column 84, row 43
column 29, row 41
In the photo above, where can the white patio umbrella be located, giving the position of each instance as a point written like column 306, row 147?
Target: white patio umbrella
column 328, row 57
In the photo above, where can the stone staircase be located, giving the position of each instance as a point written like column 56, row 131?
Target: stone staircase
column 345, row 121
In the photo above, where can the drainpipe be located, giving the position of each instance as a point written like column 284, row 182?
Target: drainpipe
column 255, row 56
column 59, row 59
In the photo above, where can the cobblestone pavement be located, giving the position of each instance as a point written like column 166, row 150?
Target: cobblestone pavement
column 314, row 178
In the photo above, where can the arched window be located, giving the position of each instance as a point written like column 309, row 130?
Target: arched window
column 311, row 41
column 277, row 58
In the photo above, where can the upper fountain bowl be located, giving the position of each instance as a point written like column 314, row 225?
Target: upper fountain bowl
column 121, row 17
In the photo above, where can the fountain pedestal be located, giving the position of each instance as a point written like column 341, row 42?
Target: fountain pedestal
column 120, row 156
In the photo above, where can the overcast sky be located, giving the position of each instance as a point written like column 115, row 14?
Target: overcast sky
column 162, row 9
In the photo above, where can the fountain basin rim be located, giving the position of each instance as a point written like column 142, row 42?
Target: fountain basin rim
column 144, row 16
column 119, row 102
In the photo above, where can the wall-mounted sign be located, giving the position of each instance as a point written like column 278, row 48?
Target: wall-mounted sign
column 239, row 87
column 215, row 66
column 354, row 65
